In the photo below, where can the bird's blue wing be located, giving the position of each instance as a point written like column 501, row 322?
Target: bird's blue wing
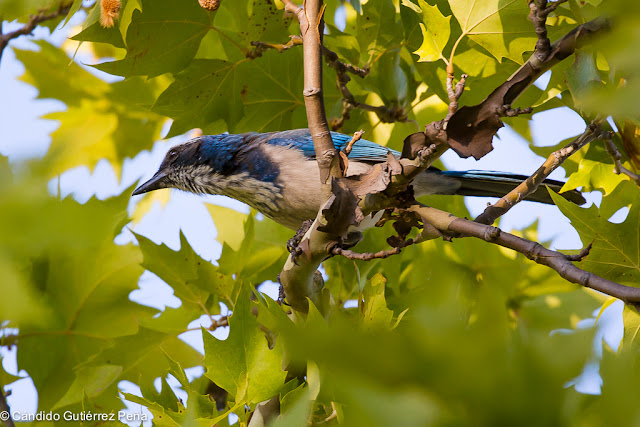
column 362, row 150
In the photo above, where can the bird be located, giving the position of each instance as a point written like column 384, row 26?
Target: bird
column 276, row 173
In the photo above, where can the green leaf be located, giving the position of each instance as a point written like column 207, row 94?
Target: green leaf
column 436, row 29
column 192, row 278
column 100, row 119
column 614, row 254
column 296, row 413
column 631, row 337
column 208, row 90
column 89, row 129
column 56, row 76
column 377, row 30
column 162, row 38
column 20, row 9
column 89, row 382
column 272, row 94
column 243, row 364
column 5, row 377
column 375, row 312
column 499, row 26
column 98, row 33
column 582, row 77
column 595, row 171
column 82, row 302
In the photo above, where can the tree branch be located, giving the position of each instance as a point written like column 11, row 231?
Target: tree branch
column 28, row 28
column 384, row 113
column 451, row 225
column 298, row 280
column 618, row 168
column 538, row 15
column 368, row 256
column 531, row 184
column 471, row 129
column 312, row 27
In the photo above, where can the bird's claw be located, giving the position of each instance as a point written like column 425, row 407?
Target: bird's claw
column 292, row 243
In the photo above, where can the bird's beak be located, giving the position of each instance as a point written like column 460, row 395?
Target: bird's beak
column 155, row 183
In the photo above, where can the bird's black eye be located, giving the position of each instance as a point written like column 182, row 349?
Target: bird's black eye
column 173, row 153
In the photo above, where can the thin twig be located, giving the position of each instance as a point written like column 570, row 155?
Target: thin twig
column 342, row 69
column 538, row 15
column 581, row 255
column 385, row 114
column 34, row 20
column 368, row 256
column 260, row 47
column 449, row 223
column 454, row 93
column 333, row 415
column 617, row 165
column 356, row 137
column 531, row 184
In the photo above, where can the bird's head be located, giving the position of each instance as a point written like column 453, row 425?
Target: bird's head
column 192, row 166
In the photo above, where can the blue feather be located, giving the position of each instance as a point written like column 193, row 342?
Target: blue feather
column 362, row 150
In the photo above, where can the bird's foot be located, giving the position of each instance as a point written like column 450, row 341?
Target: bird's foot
column 292, row 244
column 281, row 294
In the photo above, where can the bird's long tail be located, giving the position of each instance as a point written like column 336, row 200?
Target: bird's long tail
column 487, row 184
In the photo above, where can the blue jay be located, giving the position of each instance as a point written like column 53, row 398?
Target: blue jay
column 276, row 173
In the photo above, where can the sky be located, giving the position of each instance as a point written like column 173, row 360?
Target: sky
column 24, row 135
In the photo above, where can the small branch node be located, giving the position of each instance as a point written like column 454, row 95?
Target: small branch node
column 580, row 256
column 491, row 234
column 312, row 91
column 617, row 164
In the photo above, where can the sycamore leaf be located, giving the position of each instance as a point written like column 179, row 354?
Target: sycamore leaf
column 253, row 260
column 162, row 38
column 436, row 29
column 615, row 254
column 243, row 364
column 89, row 129
column 192, row 278
column 377, row 30
column 82, row 302
column 297, row 411
column 139, row 358
column 208, row 90
column 499, row 26
column 55, row 76
column 595, row 171
column 20, row 9
column 99, row 34
column 5, row 377
column 101, row 118
column 583, row 76
column 248, row 20
column 90, row 383
column 375, row 311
